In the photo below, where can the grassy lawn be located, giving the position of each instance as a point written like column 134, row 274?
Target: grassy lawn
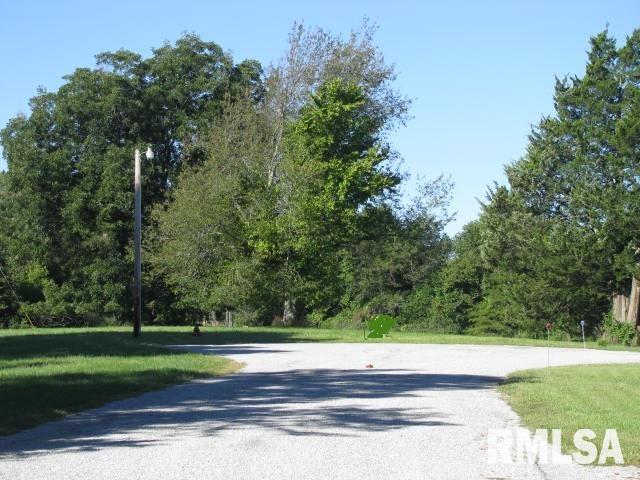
column 47, row 374
column 597, row 397
column 221, row 335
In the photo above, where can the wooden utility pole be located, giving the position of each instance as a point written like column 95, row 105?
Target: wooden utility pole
column 137, row 240
column 137, row 236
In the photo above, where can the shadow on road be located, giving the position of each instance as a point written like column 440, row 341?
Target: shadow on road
column 290, row 402
column 119, row 343
column 227, row 349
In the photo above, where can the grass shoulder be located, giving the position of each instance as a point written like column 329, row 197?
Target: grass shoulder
column 597, row 397
column 46, row 375
column 223, row 335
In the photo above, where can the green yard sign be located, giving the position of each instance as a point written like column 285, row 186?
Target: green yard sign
column 378, row 326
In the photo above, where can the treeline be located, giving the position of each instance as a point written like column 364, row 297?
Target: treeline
column 275, row 194
column 563, row 237
column 65, row 200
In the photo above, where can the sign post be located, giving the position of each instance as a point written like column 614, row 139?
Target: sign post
column 548, row 326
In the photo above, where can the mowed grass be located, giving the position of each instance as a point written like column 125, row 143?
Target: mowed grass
column 47, row 374
column 155, row 335
column 597, row 397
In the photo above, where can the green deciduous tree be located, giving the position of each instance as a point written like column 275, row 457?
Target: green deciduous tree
column 295, row 208
column 69, row 195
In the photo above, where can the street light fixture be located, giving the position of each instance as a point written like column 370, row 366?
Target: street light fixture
column 137, row 240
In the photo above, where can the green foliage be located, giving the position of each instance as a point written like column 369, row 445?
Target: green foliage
column 401, row 250
column 349, row 317
column 563, row 237
column 67, row 197
column 617, row 332
column 204, row 239
column 333, row 176
column 275, row 194
column 233, row 237
column 460, row 288
column 537, row 269
column 295, row 217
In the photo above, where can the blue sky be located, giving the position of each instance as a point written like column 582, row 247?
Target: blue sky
column 480, row 73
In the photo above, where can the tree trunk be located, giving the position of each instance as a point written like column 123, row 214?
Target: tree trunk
column 228, row 318
column 633, row 312
column 627, row 308
column 620, row 305
column 288, row 313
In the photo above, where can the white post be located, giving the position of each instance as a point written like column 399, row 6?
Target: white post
column 137, row 260
column 548, row 326
column 548, row 349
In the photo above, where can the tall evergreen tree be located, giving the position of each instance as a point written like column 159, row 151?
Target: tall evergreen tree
column 564, row 237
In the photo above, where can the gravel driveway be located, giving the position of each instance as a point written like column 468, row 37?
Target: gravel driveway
column 307, row 411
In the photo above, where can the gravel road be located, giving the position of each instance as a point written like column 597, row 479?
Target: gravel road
column 308, row 411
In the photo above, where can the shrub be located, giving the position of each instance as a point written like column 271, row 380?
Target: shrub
column 618, row 332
